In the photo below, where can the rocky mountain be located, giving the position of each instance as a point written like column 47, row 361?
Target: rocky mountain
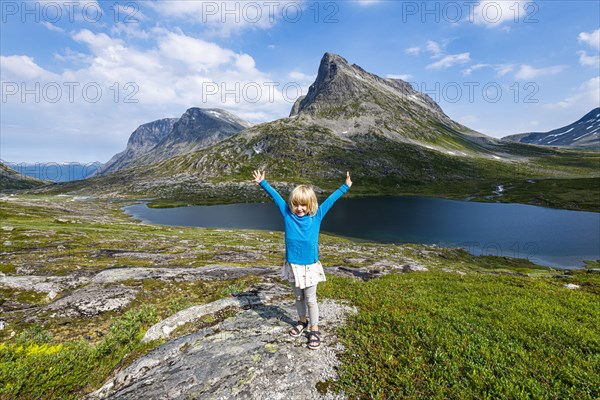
column 583, row 133
column 394, row 139
column 159, row 140
column 350, row 100
column 196, row 129
column 11, row 179
column 141, row 141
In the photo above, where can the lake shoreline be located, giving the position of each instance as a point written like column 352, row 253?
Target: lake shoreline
column 514, row 245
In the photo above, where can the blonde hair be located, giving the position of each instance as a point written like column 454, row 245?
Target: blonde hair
column 304, row 195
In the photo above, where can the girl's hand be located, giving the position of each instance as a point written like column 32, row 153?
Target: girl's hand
column 348, row 180
column 259, row 176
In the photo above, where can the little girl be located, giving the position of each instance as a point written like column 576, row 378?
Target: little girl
column 302, row 219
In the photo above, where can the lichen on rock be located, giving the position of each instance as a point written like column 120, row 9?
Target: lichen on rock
column 248, row 356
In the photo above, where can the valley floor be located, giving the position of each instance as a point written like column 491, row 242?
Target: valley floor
column 82, row 283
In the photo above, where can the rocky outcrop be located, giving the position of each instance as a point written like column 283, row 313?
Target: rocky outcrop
column 42, row 284
column 91, row 300
column 141, row 141
column 211, row 272
column 247, row 356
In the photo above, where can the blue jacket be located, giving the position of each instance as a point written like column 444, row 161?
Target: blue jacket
column 302, row 233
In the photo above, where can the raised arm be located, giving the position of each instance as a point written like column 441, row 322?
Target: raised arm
column 259, row 177
column 327, row 204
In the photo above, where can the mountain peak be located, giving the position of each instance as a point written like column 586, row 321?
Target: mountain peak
column 344, row 91
column 214, row 114
column 331, row 67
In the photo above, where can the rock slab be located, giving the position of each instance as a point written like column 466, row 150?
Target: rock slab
column 248, row 356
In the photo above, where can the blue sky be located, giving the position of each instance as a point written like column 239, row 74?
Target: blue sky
column 79, row 76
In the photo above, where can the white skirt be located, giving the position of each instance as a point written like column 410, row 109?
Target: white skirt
column 303, row 275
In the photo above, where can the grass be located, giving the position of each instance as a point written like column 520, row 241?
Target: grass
column 32, row 368
column 492, row 327
column 436, row 335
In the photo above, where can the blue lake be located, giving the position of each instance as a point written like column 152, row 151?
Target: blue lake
column 551, row 237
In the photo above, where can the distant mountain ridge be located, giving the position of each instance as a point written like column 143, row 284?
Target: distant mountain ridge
column 583, row 133
column 56, row 172
column 393, row 139
column 13, row 180
column 159, row 140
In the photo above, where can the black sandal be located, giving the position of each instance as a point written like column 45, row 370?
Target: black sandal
column 314, row 339
column 298, row 329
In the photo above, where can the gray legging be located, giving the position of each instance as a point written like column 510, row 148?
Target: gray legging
column 307, row 297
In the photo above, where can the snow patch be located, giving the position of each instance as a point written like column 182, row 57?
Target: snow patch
column 562, row 133
column 585, row 134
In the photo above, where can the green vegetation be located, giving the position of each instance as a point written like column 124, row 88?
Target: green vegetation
column 439, row 335
column 31, row 367
column 13, row 180
column 471, row 327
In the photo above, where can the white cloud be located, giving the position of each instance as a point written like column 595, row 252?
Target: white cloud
column 413, row 51
column 591, row 39
column 529, row 72
column 493, row 13
column 588, row 61
column 196, row 53
column 22, row 68
column 50, row 26
column 404, row 77
column 500, row 69
column 301, row 77
column 450, row 60
column 226, row 18
column 586, row 97
column 503, row 69
column 468, row 71
column 173, row 73
column 434, row 48
column 129, row 30
column 70, row 56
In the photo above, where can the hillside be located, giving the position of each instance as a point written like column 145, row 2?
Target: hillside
column 583, row 133
column 393, row 139
column 13, row 180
